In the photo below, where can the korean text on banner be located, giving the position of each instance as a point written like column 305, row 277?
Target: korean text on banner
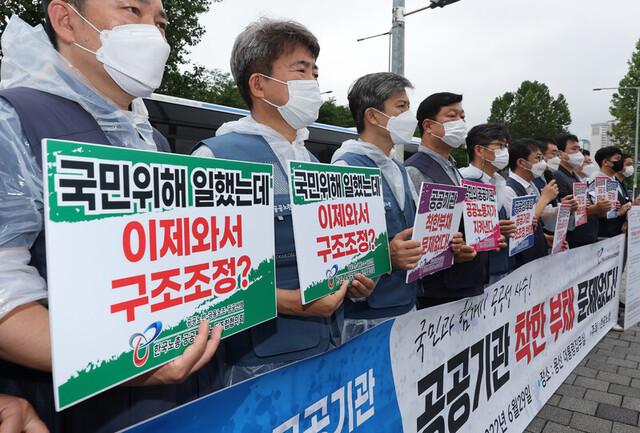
column 612, row 196
column 632, row 302
column 580, row 194
column 437, row 219
column 141, row 248
column 339, row 225
column 562, row 224
column 522, row 211
column 487, row 363
column 481, row 227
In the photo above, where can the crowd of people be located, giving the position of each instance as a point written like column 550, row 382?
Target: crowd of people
column 81, row 79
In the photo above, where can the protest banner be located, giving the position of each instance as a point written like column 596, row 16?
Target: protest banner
column 632, row 301
column 437, row 220
column 481, row 226
column 339, row 225
column 482, row 364
column 141, row 248
column 580, row 194
column 612, row 196
column 562, row 224
column 522, row 211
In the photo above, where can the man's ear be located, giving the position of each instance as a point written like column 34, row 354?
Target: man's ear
column 60, row 18
column 426, row 126
column 477, row 149
column 370, row 117
column 256, row 85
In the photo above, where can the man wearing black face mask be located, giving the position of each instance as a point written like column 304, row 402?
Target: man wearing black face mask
column 611, row 163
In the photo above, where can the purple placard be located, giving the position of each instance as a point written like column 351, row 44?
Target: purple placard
column 438, row 218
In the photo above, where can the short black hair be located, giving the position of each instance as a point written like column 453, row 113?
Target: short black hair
column 484, row 134
column 561, row 140
column 48, row 28
column 522, row 148
column 585, row 152
column 606, row 153
column 430, row 107
column 544, row 143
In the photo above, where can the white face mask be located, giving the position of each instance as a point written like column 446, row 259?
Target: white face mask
column 454, row 132
column 134, row 56
column 401, row 127
column 537, row 169
column 303, row 106
column 554, row 163
column 575, row 159
column 589, row 170
column 628, row 171
column 501, row 158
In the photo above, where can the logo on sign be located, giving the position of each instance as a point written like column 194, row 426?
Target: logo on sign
column 140, row 342
column 331, row 276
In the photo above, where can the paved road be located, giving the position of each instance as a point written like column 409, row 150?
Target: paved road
column 602, row 395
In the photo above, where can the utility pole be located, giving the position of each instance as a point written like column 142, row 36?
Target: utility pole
column 397, row 38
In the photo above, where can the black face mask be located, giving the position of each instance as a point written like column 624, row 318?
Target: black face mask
column 617, row 165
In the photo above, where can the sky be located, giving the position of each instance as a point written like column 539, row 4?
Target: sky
column 480, row 48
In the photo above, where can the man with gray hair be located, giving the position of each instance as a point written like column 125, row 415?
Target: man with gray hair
column 274, row 66
column 380, row 107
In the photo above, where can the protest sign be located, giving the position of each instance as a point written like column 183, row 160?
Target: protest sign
column 600, row 185
column 612, row 196
column 481, row 226
column 141, row 248
column 339, row 225
column 522, row 211
column 580, row 194
column 632, row 301
column 562, row 224
column 483, row 364
column 437, row 219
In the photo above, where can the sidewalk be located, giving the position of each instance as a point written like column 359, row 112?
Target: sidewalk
column 602, row 395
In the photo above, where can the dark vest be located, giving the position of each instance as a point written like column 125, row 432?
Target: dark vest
column 462, row 279
column 44, row 115
column 392, row 295
column 539, row 248
column 285, row 338
column 588, row 232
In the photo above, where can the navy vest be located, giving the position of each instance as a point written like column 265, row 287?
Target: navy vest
column 285, row 338
column 392, row 295
column 586, row 233
column 462, row 279
column 44, row 115
column 539, row 248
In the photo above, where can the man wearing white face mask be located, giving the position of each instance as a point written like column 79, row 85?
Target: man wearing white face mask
column 626, row 173
column 488, row 154
column 565, row 177
column 77, row 79
column 588, row 170
column 442, row 128
column 527, row 163
column 380, row 107
column 274, row 66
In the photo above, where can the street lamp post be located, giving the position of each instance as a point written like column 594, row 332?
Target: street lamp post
column 635, row 158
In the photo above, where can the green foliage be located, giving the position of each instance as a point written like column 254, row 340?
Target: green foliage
column 337, row 115
column 207, row 85
column 623, row 105
column 531, row 111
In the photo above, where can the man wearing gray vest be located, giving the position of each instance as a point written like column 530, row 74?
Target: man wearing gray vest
column 80, row 79
column 274, row 66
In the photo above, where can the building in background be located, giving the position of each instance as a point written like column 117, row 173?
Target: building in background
column 600, row 136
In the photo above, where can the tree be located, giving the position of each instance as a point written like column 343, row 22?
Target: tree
column 623, row 105
column 333, row 114
column 531, row 111
column 184, row 31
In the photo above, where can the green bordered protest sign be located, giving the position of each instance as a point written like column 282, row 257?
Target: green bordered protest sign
column 339, row 225
column 141, row 248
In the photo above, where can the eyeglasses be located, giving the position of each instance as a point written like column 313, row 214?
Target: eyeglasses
column 496, row 143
